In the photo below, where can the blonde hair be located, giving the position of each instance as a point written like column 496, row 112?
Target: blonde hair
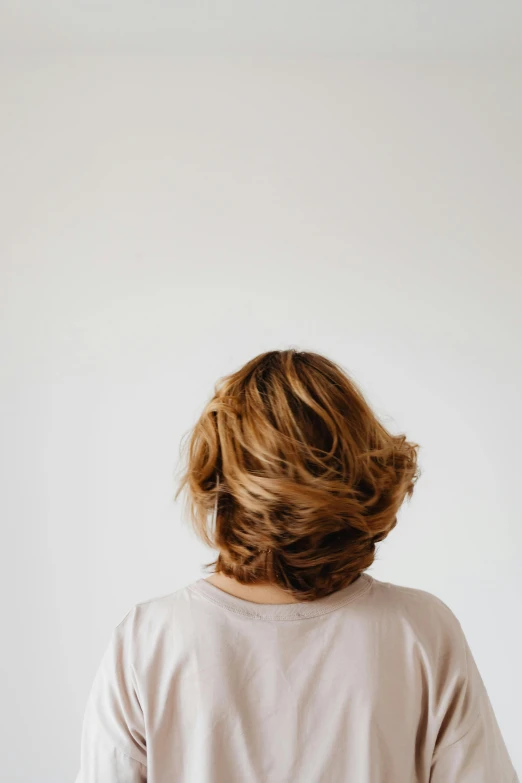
column 302, row 477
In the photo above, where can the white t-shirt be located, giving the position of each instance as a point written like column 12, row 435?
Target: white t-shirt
column 373, row 684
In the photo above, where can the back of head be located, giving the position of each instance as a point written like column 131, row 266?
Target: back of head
column 301, row 477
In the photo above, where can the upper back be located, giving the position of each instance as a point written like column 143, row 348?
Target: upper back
column 372, row 683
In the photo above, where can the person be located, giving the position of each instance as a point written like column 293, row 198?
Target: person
column 289, row 663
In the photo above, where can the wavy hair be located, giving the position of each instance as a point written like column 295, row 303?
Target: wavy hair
column 291, row 477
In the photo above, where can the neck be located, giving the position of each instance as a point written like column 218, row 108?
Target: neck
column 258, row 593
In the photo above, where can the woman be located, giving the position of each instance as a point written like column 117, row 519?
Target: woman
column 289, row 663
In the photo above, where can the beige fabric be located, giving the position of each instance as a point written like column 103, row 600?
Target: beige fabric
column 373, row 684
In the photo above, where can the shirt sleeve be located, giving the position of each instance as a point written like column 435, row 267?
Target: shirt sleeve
column 470, row 748
column 113, row 745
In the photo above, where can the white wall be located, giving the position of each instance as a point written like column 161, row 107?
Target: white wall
column 163, row 222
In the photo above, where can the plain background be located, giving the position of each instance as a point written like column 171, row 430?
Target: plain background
column 163, row 221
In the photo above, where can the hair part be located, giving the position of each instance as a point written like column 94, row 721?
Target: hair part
column 291, row 477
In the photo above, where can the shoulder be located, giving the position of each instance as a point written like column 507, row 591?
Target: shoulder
column 424, row 613
column 412, row 599
column 145, row 622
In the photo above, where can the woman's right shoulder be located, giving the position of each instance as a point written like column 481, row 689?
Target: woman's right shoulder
column 426, row 613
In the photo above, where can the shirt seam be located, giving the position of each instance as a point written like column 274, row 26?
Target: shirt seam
column 128, row 756
column 478, row 715
column 122, row 752
column 462, row 736
column 252, row 616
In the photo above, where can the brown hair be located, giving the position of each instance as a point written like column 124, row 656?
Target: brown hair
column 304, row 477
